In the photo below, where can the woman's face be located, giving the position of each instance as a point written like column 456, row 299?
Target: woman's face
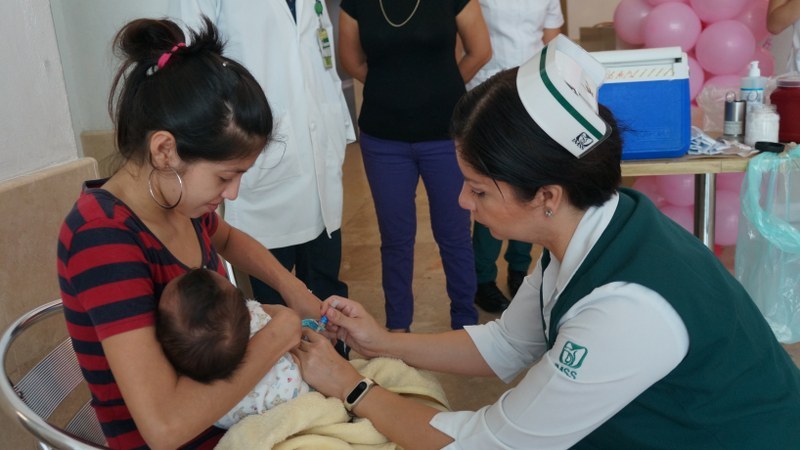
column 494, row 204
column 206, row 184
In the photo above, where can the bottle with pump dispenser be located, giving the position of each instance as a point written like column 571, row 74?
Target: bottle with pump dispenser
column 752, row 88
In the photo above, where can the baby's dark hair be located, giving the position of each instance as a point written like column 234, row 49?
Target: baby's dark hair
column 212, row 105
column 203, row 326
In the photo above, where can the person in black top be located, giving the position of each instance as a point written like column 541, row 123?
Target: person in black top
column 404, row 51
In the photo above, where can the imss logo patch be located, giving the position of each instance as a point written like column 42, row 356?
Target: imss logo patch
column 571, row 358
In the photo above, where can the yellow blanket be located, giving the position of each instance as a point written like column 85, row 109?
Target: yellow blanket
column 314, row 422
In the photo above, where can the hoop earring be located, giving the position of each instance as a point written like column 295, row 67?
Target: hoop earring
column 548, row 212
column 152, row 193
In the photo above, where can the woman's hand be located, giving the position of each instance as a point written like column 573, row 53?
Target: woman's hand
column 323, row 368
column 351, row 323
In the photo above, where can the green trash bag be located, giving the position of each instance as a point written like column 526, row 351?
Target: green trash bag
column 768, row 243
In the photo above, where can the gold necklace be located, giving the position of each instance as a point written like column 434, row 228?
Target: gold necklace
column 398, row 25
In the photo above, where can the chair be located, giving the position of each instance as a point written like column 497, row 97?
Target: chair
column 32, row 400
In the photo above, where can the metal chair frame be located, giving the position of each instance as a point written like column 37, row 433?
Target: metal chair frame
column 33, row 399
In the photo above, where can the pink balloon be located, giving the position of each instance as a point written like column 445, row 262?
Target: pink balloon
column 696, row 77
column 682, row 215
column 628, row 19
column 731, row 82
column 731, row 181
column 671, row 25
column 725, row 47
column 658, row 2
column 711, row 11
column 649, row 187
column 677, row 189
column 726, row 225
column 754, row 16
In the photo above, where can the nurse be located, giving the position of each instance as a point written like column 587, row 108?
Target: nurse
column 630, row 331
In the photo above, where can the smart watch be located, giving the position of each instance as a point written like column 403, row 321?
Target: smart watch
column 358, row 393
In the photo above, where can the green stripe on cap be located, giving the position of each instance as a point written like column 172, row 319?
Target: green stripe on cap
column 561, row 100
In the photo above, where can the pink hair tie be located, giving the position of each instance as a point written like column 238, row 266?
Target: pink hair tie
column 164, row 58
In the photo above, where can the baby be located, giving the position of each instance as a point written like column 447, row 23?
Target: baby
column 203, row 328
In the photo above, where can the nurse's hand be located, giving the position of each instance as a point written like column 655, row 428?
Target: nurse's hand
column 351, row 323
column 323, row 368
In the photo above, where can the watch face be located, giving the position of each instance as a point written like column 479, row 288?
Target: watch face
column 356, row 392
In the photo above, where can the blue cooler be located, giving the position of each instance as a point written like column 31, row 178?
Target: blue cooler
column 648, row 92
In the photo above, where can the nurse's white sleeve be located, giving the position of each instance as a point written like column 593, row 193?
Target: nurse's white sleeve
column 612, row 345
column 513, row 342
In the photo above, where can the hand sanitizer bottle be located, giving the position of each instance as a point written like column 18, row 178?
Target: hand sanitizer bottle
column 752, row 89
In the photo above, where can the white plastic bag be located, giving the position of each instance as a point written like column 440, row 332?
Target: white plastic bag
column 768, row 245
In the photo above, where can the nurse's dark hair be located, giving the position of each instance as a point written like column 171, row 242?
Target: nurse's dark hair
column 213, row 106
column 499, row 139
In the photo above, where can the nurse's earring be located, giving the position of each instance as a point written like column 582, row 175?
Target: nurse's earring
column 152, row 191
column 548, row 212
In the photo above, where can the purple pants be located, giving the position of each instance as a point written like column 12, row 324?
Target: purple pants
column 393, row 170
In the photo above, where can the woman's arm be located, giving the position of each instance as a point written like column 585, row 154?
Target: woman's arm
column 170, row 410
column 247, row 254
column 475, row 39
column 782, row 14
column 450, row 352
column 403, row 420
column 548, row 34
column 605, row 375
column 351, row 55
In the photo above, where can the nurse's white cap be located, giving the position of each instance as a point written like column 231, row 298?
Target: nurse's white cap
column 558, row 88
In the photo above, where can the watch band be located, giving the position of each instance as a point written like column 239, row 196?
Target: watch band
column 358, row 393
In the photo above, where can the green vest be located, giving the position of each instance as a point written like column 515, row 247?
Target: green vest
column 736, row 388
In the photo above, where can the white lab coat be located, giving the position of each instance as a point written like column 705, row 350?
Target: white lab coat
column 294, row 190
column 516, row 29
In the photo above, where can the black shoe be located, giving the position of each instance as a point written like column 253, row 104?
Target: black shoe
column 490, row 299
column 515, row 278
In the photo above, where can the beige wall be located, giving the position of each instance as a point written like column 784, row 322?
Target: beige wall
column 33, row 207
column 585, row 13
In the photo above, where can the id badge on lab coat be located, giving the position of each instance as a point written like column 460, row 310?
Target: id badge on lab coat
column 325, row 47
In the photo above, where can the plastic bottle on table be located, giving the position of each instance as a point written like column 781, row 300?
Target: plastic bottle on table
column 752, row 87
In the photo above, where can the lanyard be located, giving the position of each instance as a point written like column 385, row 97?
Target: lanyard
column 545, row 263
column 322, row 38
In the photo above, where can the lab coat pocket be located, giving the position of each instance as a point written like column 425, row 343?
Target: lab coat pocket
column 278, row 161
column 338, row 132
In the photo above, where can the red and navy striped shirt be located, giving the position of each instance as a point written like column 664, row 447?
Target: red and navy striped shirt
column 112, row 270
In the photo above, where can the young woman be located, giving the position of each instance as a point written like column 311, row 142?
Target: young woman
column 404, row 51
column 189, row 123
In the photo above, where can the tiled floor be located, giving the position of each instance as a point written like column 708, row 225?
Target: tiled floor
column 361, row 269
